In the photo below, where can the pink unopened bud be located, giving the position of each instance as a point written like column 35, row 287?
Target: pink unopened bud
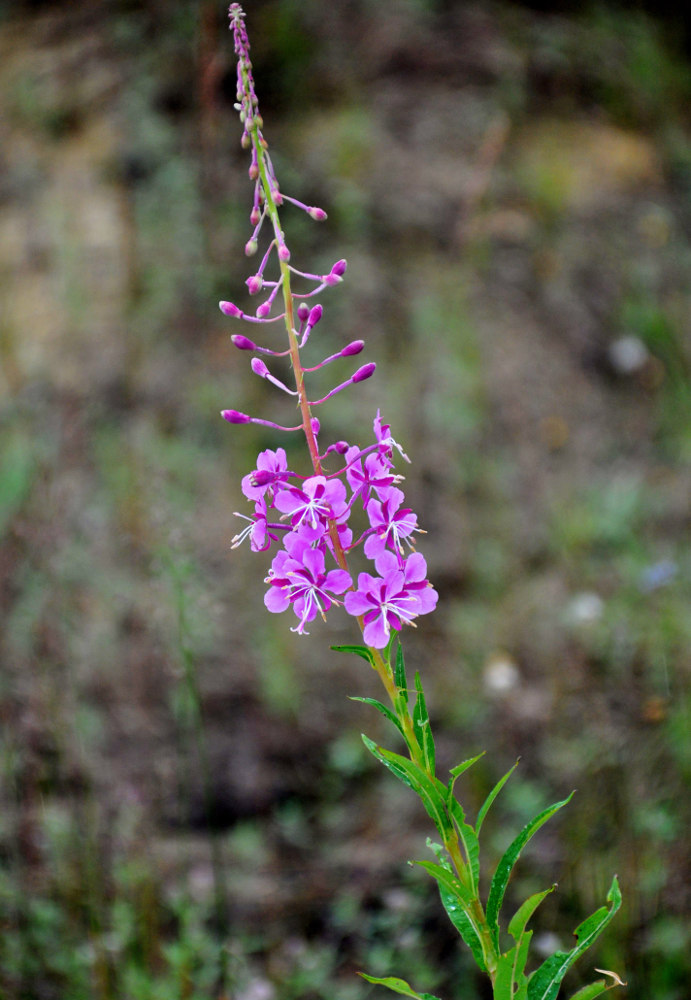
column 254, row 284
column 235, row 417
column 339, row 268
column 362, row 373
column 354, row 348
column 303, row 311
column 284, row 252
column 253, row 171
column 255, row 215
column 315, row 425
column 258, row 367
column 262, row 477
column 263, row 310
column 251, row 248
column 230, row 310
column 315, row 314
column 318, row 214
column 243, row 343
column 340, row 447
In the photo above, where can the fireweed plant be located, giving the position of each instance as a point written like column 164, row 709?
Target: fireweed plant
column 350, row 505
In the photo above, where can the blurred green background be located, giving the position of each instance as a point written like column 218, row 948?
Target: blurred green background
column 187, row 809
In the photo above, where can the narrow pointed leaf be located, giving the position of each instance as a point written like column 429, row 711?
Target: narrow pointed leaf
column 386, row 712
column 525, row 912
column 545, row 982
column 362, row 651
column 422, row 727
column 430, row 791
column 592, row 991
column 398, row 986
column 458, row 901
column 491, row 797
column 505, row 866
column 399, row 676
column 457, row 771
column 503, row 983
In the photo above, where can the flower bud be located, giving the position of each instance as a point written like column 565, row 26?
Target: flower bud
column 263, row 310
column 235, row 417
column 250, row 248
column 318, row 214
column 258, row 367
column 245, row 141
column 243, row 343
column 283, row 252
column 228, row 309
column 315, row 314
column 362, row 373
column 303, row 311
column 253, row 171
column 353, row 348
column 255, row 216
column 339, row 268
column 254, row 284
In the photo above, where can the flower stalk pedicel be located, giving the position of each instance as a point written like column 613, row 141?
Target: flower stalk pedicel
column 352, row 508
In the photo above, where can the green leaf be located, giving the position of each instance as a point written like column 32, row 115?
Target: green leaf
column 505, row 866
column 430, row 791
column 386, row 712
column 422, row 728
column 457, row 771
column 503, row 983
column 457, row 900
column 525, row 912
column 398, row 986
column 491, row 797
column 362, row 651
column 545, row 982
column 594, row 990
column 399, row 676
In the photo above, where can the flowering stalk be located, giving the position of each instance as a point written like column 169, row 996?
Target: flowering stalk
column 308, row 519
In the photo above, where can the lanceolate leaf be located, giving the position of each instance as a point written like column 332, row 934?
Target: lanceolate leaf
column 422, row 727
column 398, row 986
column 386, row 712
column 399, row 676
column 592, row 991
column 545, row 982
column 430, row 790
column 457, row 771
column 457, row 901
column 491, row 797
column 525, row 912
column 362, row 651
column 505, row 866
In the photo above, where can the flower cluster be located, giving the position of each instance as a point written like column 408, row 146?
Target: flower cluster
column 309, row 517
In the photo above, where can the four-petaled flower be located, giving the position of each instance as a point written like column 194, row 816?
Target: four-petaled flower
column 391, row 600
column 297, row 576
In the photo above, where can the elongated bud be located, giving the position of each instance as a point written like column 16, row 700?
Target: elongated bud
column 263, row 310
column 243, row 343
column 251, row 247
column 303, row 311
column 255, row 215
column 254, row 284
column 354, row 348
column 230, row 310
column 284, row 252
column 315, row 314
column 362, row 373
column 318, row 214
column 235, row 417
column 339, row 268
column 259, row 368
